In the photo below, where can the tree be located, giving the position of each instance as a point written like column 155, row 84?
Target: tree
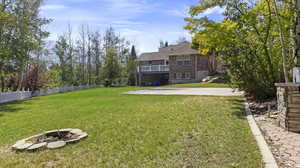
column 97, row 55
column 251, row 41
column 21, row 36
column 111, row 68
column 132, row 68
column 61, row 50
column 296, row 31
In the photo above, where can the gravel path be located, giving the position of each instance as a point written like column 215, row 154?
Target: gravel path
column 189, row 91
column 284, row 145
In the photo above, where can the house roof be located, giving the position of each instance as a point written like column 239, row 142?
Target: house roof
column 153, row 56
column 182, row 48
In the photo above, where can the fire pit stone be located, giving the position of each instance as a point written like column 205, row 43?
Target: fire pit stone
column 50, row 140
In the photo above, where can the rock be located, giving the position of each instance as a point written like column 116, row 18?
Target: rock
column 21, row 142
column 37, row 146
column 67, row 129
column 73, row 140
column 40, row 141
column 55, row 145
column 76, row 131
column 22, row 146
column 83, row 135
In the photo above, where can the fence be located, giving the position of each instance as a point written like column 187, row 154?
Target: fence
column 20, row 95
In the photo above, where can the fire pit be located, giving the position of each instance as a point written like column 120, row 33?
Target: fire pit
column 50, row 140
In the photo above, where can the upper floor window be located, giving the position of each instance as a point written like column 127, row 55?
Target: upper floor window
column 184, row 60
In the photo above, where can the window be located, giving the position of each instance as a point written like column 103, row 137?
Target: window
column 179, row 62
column 178, row 76
column 188, row 75
column 181, row 76
column 184, row 60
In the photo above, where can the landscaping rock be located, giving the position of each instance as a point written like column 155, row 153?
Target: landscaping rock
column 76, row 131
column 83, row 135
column 55, row 145
column 37, row 146
column 22, row 146
column 50, row 139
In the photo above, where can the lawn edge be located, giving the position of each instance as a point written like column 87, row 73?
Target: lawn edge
column 268, row 157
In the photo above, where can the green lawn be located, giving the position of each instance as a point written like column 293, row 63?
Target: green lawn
column 131, row 131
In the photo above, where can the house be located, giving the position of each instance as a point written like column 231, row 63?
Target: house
column 174, row 64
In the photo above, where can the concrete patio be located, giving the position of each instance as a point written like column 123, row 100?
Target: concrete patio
column 189, row 91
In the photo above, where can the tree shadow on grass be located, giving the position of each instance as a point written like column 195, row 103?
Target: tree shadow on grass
column 11, row 107
column 238, row 108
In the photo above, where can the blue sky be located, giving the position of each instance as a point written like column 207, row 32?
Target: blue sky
column 143, row 22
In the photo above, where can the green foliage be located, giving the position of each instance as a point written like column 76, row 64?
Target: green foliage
column 53, row 77
column 111, row 68
column 247, row 42
column 61, row 50
column 132, row 67
column 21, row 36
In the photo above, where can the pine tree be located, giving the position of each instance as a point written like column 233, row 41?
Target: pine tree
column 131, row 67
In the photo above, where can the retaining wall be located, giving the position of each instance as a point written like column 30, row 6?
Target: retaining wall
column 288, row 102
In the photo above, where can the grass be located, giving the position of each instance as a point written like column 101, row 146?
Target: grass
column 131, row 131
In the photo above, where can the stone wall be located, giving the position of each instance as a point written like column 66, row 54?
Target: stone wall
column 20, row 95
column 282, row 106
column 288, row 102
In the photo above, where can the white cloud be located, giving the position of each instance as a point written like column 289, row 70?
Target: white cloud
column 132, row 18
column 215, row 10
column 53, row 7
column 184, row 12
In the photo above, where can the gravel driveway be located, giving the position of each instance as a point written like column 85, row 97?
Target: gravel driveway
column 189, row 91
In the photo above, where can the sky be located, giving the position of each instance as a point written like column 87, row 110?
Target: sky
column 143, row 22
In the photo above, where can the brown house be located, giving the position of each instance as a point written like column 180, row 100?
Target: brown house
column 174, row 64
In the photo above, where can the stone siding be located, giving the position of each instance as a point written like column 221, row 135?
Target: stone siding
column 288, row 102
column 202, row 63
column 282, row 104
column 198, row 69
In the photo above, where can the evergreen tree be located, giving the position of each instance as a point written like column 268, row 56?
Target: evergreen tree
column 132, row 67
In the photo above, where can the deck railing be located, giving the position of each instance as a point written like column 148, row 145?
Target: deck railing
column 155, row 68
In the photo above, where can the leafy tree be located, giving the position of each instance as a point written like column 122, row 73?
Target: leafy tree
column 21, row 35
column 111, row 68
column 53, row 77
column 252, row 41
column 61, row 50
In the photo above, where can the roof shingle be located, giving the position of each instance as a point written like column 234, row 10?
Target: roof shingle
column 164, row 53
